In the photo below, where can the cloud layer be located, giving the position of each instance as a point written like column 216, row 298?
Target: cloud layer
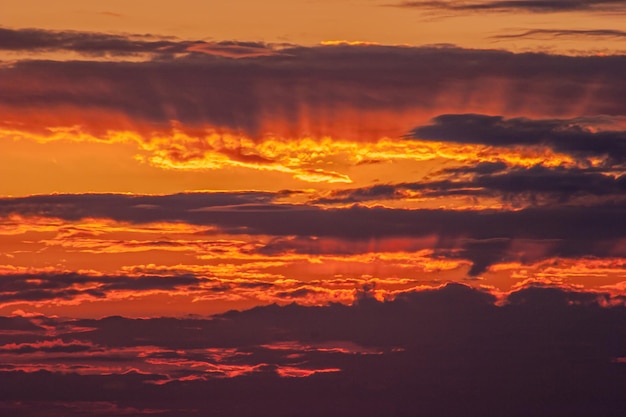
column 328, row 90
column 406, row 355
column 523, row 186
column 529, row 6
column 561, row 230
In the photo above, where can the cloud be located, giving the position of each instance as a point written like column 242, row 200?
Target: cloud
column 530, row 6
column 69, row 286
column 341, row 91
column 235, row 214
column 594, row 230
column 404, row 355
column 307, row 112
column 552, row 184
column 519, row 185
column 148, row 206
column 105, row 44
column 564, row 33
column 17, row 324
column 245, row 282
column 483, row 168
column 53, row 346
column 564, row 136
column 75, row 409
column 110, row 14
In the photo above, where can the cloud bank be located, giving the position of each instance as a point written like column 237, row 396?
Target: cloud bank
column 409, row 356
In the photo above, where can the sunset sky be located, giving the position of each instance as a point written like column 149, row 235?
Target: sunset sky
column 377, row 203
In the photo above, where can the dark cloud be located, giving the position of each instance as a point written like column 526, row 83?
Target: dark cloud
column 66, row 286
column 564, row 33
column 560, row 184
column 306, row 220
column 74, row 409
column 540, row 189
column 533, row 6
column 297, row 293
column 84, row 42
column 565, row 136
column 524, row 186
column 313, row 245
column 593, row 230
column 479, row 168
column 93, row 43
column 484, row 253
column 375, row 192
column 326, row 90
column 13, row 324
column 543, row 351
column 51, row 347
column 149, row 207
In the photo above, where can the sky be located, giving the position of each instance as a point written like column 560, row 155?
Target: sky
column 313, row 207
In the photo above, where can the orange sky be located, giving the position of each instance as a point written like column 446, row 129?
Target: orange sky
column 355, row 208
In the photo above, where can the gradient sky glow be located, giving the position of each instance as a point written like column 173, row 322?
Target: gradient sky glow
column 266, row 200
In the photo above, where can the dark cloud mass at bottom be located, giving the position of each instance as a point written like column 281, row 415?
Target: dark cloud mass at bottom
column 445, row 352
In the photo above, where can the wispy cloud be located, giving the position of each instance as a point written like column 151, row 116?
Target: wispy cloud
column 105, row 44
column 563, row 33
column 524, row 186
column 530, row 6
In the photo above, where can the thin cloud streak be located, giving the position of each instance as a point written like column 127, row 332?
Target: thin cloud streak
column 105, row 44
column 564, row 33
column 529, row 6
column 523, row 186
